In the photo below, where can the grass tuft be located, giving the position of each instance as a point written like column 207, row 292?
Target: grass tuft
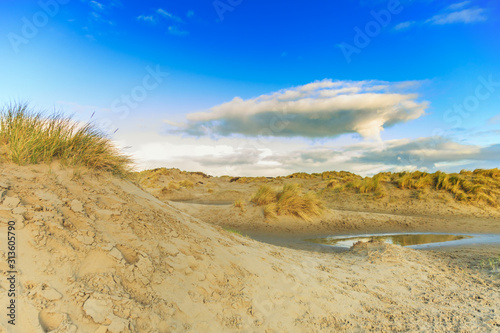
column 292, row 202
column 270, row 211
column 239, row 204
column 467, row 186
column 289, row 201
column 27, row 137
column 265, row 195
column 186, row 184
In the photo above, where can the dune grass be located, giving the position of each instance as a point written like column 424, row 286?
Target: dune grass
column 467, row 186
column 360, row 185
column 186, row 183
column 288, row 201
column 264, row 196
column 292, row 202
column 28, row 137
column 475, row 187
column 239, row 204
column 301, row 175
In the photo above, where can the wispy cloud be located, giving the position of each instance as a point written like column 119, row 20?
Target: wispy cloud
column 316, row 110
column 454, row 13
column 459, row 5
column 462, row 16
column 147, row 18
column 175, row 22
column 190, row 14
column 97, row 5
column 404, row 25
column 168, row 15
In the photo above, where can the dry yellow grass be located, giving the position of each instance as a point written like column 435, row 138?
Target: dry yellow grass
column 289, row 201
column 466, row 186
column 173, row 186
column 270, row 211
column 239, row 204
column 360, row 185
column 186, row 184
column 29, row 137
column 301, row 175
column 475, row 187
column 292, row 202
column 265, row 195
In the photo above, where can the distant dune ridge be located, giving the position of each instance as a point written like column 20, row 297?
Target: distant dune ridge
column 99, row 253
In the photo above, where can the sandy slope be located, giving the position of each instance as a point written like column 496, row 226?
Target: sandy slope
column 98, row 254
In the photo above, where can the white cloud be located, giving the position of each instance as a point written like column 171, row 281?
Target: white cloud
column 428, row 153
column 238, row 157
column 97, row 5
column 281, row 156
column 175, row 22
column 316, row 110
column 404, row 25
column 168, row 15
column 462, row 16
column 454, row 13
column 459, row 5
column 147, row 18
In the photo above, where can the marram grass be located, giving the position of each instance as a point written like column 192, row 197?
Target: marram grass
column 28, row 137
column 289, row 201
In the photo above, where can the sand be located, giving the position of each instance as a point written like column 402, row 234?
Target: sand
column 99, row 254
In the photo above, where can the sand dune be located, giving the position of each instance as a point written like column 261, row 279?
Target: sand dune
column 98, row 254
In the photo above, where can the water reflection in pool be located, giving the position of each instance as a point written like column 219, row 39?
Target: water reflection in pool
column 399, row 239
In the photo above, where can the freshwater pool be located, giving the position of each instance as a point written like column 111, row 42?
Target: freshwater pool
column 412, row 240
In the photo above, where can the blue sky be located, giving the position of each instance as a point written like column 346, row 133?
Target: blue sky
column 267, row 88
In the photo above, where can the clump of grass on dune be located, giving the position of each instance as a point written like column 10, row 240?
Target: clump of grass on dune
column 301, row 175
column 360, row 185
column 413, row 180
column 239, row 204
column 466, row 186
column 173, row 186
column 292, row 202
column 289, row 201
column 29, row 137
column 339, row 175
column 186, row 183
column 264, row 196
column 478, row 186
column 270, row 211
